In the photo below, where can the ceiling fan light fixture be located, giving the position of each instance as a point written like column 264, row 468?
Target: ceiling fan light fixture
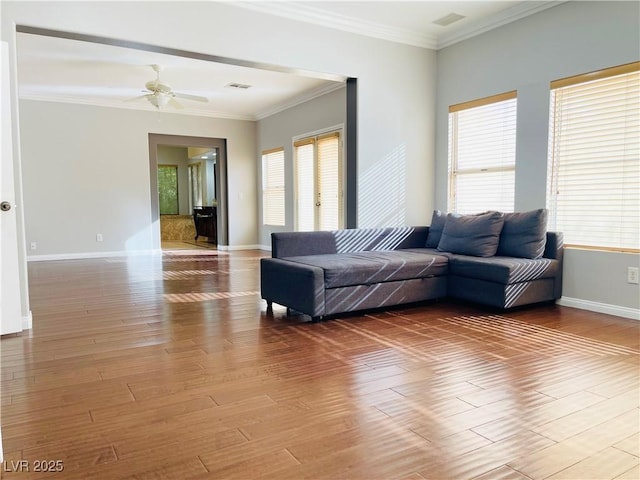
column 158, row 100
column 160, row 94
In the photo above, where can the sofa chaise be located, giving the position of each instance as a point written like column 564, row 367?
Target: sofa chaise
column 501, row 260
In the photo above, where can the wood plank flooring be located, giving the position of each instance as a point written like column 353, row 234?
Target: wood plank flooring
column 169, row 367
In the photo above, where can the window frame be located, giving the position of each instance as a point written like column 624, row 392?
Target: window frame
column 567, row 86
column 173, row 167
column 314, row 140
column 454, row 171
column 270, row 218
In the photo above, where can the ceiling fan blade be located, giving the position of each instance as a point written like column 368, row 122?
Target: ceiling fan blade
column 195, row 98
column 135, row 98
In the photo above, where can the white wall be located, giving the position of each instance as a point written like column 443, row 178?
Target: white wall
column 569, row 39
column 90, row 174
column 396, row 85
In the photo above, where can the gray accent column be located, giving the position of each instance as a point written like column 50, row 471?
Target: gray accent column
column 352, row 154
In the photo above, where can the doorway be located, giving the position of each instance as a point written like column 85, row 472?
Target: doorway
column 208, row 189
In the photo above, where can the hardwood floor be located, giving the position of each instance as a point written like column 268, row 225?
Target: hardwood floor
column 169, row 367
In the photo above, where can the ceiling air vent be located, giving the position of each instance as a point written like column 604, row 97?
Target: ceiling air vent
column 241, row 86
column 448, row 19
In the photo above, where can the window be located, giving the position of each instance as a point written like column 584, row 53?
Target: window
column 195, row 186
column 273, row 187
column 318, row 174
column 594, row 159
column 168, row 189
column 482, row 154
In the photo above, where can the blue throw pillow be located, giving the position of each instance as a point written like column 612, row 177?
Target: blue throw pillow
column 435, row 229
column 524, row 234
column 476, row 235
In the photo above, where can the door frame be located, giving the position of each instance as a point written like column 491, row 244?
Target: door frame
column 156, row 139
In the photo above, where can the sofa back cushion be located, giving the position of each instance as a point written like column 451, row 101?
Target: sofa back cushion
column 438, row 220
column 524, row 234
column 476, row 235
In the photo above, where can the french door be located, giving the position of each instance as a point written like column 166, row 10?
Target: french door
column 318, row 176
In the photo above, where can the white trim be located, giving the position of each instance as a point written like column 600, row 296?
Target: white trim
column 618, row 311
column 322, row 131
column 265, row 247
column 139, row 106
column 79, row 256
column 499, row 19
column 231, row 248
column 27, row 321
column 300, row 99
column 303, row 13
column 272, row 110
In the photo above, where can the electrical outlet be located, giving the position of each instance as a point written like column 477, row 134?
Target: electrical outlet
column 34, row 245
column 98, row 237
column 632, row 275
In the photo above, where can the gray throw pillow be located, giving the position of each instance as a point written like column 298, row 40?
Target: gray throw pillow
column 435, row 229
column 476, row 235
column 524, row 234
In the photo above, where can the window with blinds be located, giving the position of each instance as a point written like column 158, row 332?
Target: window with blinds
column 482, row 154
column 594, row 159
column 273, row 207
column 195, row 186
column 318, row 174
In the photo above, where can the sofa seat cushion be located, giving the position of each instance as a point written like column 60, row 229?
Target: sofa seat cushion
column 363, row 268
column 504, row 270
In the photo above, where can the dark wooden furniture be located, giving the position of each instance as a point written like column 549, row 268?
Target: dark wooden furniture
column 205, row 219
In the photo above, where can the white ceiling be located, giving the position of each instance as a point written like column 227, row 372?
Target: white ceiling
column 61, row 69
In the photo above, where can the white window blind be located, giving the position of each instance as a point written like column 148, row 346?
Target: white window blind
column 329, row 182
column 273, row 208
column 594, row 159
column 305, row 187
column 482, row 154
column 318, row 174
column 195, row 186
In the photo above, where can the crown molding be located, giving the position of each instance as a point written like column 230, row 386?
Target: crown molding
column 308, row 14
column 316, row 16
column 140, row 107
column 499, row 19
column 305, row 97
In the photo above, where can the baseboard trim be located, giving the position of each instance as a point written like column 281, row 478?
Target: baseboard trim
column 126, row 253
column 626, row 312
column 231, row 248
column 80, row 256
column 27, row 321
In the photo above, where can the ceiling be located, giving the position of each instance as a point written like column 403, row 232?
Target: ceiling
column 71, row 70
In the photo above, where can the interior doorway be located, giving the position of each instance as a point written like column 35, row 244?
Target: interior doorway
column 199, row 204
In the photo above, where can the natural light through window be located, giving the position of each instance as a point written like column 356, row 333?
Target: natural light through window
column 318, row 182
column 594, row 159
column 482, row 154
column 273, row 208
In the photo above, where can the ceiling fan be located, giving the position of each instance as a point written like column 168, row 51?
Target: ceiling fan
column 160, row 94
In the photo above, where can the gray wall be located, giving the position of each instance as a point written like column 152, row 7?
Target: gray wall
column 569, row 39
column 278, row 131
column 90, row 174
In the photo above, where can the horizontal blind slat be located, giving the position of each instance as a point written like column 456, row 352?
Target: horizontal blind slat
column 594, row 161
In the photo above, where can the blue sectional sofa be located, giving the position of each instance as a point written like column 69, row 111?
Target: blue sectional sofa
column 496, row 259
